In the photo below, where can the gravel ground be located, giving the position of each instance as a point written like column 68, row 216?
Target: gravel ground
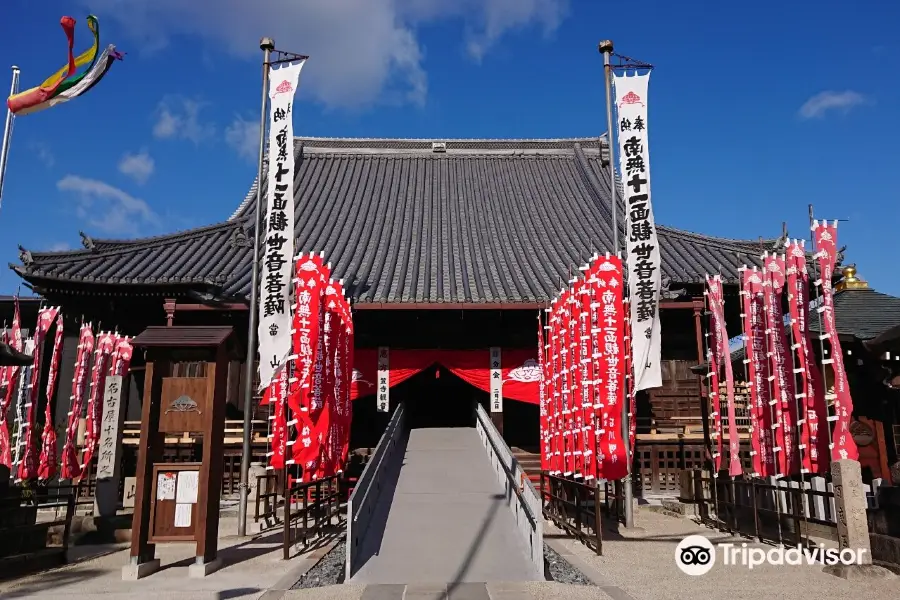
column 328, row 571
column 561, row 570
column 642, row 563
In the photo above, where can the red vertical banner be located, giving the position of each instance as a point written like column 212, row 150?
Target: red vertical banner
column 559, row 385
column 781, row 367
column 586, row 361
column 811, row 394
column 10, row 385
column 612, row 455
column 843, row 445
column 566, row 375
column 596, row 355
column 103, row 349
column 348, row 375
column 755, row 329
column 542, row 364
column 276, row 395
column 28, row 467
column 756, row 435
column 713, row 359
column 719, row 342
column 577, row 285
column 47, row 463
column 70, row 469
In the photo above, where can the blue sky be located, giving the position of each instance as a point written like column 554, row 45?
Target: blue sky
column 757, row 109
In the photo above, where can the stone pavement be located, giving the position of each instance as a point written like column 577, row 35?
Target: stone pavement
column 446, row 519
column 252, row 566
column 641, row 566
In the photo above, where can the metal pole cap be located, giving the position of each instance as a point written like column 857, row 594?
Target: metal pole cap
column 605, row 46
column 267, row 43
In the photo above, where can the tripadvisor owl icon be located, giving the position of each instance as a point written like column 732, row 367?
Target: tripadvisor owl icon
column 695, row 555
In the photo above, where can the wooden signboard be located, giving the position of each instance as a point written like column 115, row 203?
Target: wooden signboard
column 179, row 502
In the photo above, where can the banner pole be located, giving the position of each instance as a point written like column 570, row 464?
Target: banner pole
column 606, row 47
column 7, row 131
column 267, row 45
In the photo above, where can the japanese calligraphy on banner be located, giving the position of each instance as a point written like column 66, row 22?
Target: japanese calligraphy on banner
column 781, row 367
column 720, row 354
column 384, row 379
column 274, row 330
column 496, row 381
column 611, row 455
column 641, row 245
column 761, row 439
column 544, row 396
column 814, row 417
column 843, row 445
column 107, row 457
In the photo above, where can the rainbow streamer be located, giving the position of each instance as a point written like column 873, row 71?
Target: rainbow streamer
column 65, row 84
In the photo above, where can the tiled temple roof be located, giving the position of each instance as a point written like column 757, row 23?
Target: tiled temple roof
column 485, row 221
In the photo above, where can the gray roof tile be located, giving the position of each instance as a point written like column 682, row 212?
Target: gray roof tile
column 500, row 221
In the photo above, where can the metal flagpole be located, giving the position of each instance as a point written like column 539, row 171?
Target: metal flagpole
column 606, row 47
column 7, row 131
column 267, row 45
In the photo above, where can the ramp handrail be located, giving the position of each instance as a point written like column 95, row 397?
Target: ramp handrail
column 523, row 499
column 368, row 487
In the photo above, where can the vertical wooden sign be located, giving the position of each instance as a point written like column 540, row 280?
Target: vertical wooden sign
column 109, row 454
column 496, row 381
column 384, row 379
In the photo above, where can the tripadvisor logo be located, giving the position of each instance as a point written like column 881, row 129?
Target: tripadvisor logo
column 696, row 555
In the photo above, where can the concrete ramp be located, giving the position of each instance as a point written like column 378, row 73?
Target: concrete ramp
column 445, row 518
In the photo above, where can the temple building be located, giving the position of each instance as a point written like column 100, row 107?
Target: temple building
column 445, row 244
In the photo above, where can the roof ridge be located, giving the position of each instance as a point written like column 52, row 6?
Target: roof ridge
column 447, row 139
column 711, row 238
column 136, row 243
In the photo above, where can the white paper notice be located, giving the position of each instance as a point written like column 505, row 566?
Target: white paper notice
column 183, row 514
column 165, row 486
column 188, row 482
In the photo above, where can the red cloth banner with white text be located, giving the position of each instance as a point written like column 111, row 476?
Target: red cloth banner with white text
column 611, row 455
column 720, row 355
column 70, row 467
column 781, row 366
column 10, row 383
column 843, row 445
column 103, row 349
column 29, row 465
column 814, row 417
column 544, row 395
column 758, row 372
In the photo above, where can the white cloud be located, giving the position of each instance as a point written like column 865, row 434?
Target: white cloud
column 243, row 136
column 106, row 208
column 59, row 247
column 138, row 166
column 823, row 102
column 179, row 118
column 361, row 50
column 43, row 153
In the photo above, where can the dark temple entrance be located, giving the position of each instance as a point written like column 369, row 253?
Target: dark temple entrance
column 437, row 398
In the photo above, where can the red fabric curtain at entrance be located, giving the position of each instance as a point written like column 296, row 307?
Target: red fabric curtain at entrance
column 521, row 371
column 403, row 365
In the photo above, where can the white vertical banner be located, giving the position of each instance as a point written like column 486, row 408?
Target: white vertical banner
column 274, row 332
column 641, row 245
column 384, row 379
column 496, row 381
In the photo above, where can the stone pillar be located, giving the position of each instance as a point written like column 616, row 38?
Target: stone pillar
column 850, row 506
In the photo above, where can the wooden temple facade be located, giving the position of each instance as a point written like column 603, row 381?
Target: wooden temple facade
column 454, row 245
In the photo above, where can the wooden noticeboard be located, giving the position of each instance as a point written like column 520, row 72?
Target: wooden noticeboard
column 175, row 508
column 179, row 502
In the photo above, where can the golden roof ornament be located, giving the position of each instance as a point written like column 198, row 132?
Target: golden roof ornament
column 850, row 281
